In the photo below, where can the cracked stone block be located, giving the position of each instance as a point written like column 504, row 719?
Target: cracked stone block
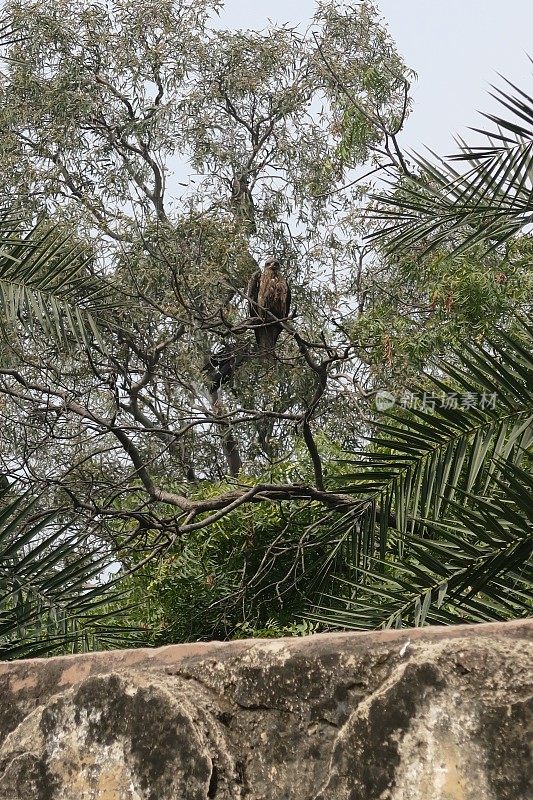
column 118, row 737
column 431, row 714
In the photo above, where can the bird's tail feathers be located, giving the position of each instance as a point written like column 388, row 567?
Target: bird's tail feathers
column 267, row 337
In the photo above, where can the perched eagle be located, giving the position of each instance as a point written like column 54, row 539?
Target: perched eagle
column 269, row 299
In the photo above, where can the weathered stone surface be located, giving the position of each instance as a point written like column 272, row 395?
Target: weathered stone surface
column 431, row 714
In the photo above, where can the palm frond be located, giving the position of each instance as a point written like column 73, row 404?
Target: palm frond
column 52, row 598
column 46, row 286
column 474, row 568
column 445, row 502
column 490, row 201
column 420, row 458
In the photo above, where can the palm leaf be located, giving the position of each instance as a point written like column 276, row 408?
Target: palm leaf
column 477, row 567
column 421, row 458
column 46, row 286
column 490, row 201
column 444, row 502
column 52, row 598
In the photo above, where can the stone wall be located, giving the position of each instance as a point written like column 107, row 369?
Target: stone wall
column 434, row 713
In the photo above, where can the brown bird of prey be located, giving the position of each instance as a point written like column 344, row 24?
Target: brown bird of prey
column 269, row 300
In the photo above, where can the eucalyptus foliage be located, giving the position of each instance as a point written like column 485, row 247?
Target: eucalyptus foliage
column 180, row 155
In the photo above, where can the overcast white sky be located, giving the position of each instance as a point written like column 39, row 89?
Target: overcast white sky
column 457, row 47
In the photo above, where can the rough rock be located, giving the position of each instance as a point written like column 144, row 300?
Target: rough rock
column 426, row 714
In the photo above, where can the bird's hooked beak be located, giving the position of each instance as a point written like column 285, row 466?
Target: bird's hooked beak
column 272, row 263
